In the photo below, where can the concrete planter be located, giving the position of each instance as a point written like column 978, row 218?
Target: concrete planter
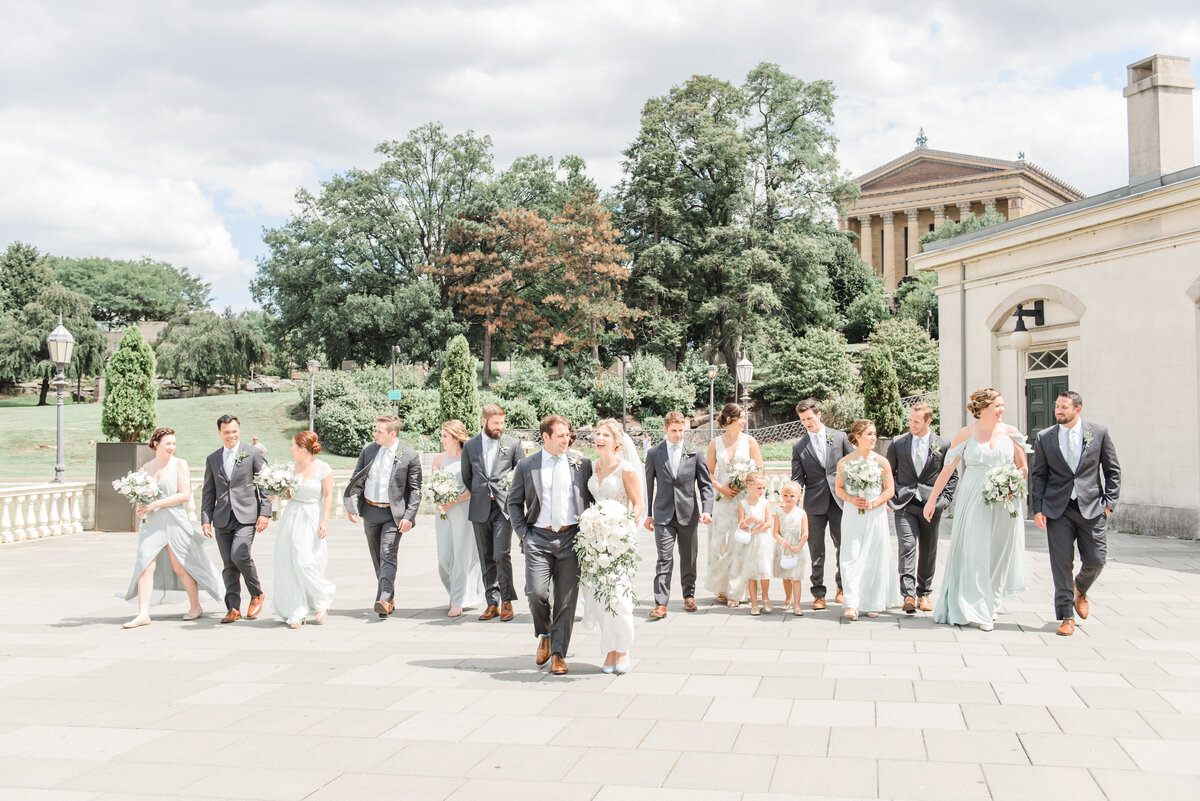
column 114, row 460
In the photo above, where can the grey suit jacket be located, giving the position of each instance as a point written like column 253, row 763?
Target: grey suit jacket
column 485, row 486
column 819, row 479
column 1097, row 480
column 230, row 501
column 404, row 487
column 904, row 472
column 525, row 495
column 671, row 497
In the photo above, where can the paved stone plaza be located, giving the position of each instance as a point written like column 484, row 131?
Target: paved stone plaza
column 719, row 705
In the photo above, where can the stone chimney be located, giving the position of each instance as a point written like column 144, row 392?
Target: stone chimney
column 1160, row 117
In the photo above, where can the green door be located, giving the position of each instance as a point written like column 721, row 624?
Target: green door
column 1040, row 394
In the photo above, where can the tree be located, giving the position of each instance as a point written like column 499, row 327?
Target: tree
column 916, row 300
column 23, row 275
column 125, row 292
column 457, row 393
column 865, row 313
column 131, row 393
column 201, row 347
column 950, row 228
column 881, row 395
column 23, row 350
column 913, row 353
column 814, row 366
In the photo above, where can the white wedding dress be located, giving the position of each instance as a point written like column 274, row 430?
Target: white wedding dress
column 616, row 631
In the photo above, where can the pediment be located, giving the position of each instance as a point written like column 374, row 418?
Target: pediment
column 924, row 170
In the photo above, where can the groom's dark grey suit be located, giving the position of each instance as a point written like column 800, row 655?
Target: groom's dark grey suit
column 488, row 513
column 671, row 501
column 1096, row 483
column 549, row 553
column 232, row 504
column 908, row 505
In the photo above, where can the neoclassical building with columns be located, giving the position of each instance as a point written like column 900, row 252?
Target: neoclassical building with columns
column 916, row 193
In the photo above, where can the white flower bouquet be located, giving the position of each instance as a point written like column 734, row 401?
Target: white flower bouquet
column 606, row 545
column 737, row 475
column 1004, row 484
column 277, row 479
column 441, row 488
column 861, row 477
column 138, row 487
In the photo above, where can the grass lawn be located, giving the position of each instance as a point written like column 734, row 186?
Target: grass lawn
column 27, row 432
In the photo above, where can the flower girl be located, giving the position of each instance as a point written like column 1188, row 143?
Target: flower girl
column 754, row 547
column 791, row 534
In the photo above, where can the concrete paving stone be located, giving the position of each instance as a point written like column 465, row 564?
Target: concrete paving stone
column 1185, row 670
column 51, row 712
column 775, row 669
column 513, row 702
column 1163, row 756
column 1074, row 678
column 42, row 772
column 588, row 705
column 260, row 784
column 702, row 737
column 1161, row 683
column 921, row 659
column 252, row 720
column 616, row 792
column 636, row 683
column 162, row 778
column 1015, row 718
column 781, row 740
column 249, row 751
column 354, row 754
column 796, row 688
column 27, row 794
column 1188, row 702
column 1020, row 783
column 434, row 758
column 1122, row 698
column 829, row 776
column 451, row 726
column 719, row 686
column 744, row 772
column 871, row 672
column 358, row 786
column 549, row 763
column 530, row 730
column 876, row 743
column 1169, row 726
column 853, row 689
column 230, row 692
column 1123, row 666
column 903, row 715
column 744, row 654
column 616, row 766
column 604, row 732
column 998, row 747
column 932, row 781
column 1074, row 750
column 951, row 673
column 826, row 657
column 667, row 707
column 954, row 692
column 437, row 700
column 51, row 666
column 1125, row 785
column 353, row 723
column 749, row 711
column 806, row 712
column 1020, row 694
column 199, row 747
column 508, row 790
column 73, row 742
column 1104, row 722
column 695, row 666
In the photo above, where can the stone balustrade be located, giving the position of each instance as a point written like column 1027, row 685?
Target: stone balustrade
column 35, row 511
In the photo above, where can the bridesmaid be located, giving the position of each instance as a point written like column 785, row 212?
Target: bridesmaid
column 458, row 555
column 301, row 552
column 732, row 446
column 869, row 578
column 167, row 528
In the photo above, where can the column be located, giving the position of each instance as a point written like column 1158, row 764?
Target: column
column 864, row 239
column 964, row 211
column 1016, row 207
column 889, row 251
column 939, row 217
column 914, row 236
column 989, row 205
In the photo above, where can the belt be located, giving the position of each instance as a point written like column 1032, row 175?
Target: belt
column 377, row 505
column 558, row 530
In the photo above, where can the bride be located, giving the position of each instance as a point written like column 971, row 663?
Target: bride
column 617, row 474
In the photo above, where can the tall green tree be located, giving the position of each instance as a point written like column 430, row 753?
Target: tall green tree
column 131, row 393
column 200, row 348
column 881, row 392
column 125, row 292
column 23, row 351
column 458, row 395
column 23, row 275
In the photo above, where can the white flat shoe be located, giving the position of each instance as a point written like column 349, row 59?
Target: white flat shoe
column 137, row 621
column 608, row 669
column 986, row 626
column 197, row 616
column 623, row 666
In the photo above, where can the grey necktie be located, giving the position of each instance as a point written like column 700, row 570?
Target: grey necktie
column 229, row 456
column 919, row 454
column 1073, row 457
column 675, row 460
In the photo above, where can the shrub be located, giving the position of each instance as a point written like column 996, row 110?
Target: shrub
column 423, row 412
column 577, row 410
column 841, row 409
column 329, row 385
column 374, row 382
column 657, row 389
column 695, row 371
column 518, row 412
column 914, row 354
column 815, row 366
column 458, row 397
column 865, row 313
column 345, row 425
column 652, row 422
column 526, row 377
column 131, row 393
column 916, row 300
column 881, row 395
column 605, row 395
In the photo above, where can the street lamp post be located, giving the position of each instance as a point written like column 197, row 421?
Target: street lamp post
column 712, row 377
column 624, row 402
column 745, row 373
column 313, row 367
column 60, row 343
column 395, row 406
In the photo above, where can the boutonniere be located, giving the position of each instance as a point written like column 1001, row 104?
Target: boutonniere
column 503, row 450
column 689, row 451
column 1087, row 438
column 829, row 437
column 934, row 448
column 241, row 455
column 574, row 461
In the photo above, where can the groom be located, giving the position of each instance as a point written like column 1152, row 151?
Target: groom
column 232, row 507
column 1076, row 481
column 549, row 491
column 814, row 467
column 673, row 475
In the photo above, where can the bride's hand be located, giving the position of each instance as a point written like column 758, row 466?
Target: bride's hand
column 727, row 491
column 649, row 524
column 322, row 529
column 930, row 508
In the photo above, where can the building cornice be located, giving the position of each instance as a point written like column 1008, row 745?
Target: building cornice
column 1000, row 165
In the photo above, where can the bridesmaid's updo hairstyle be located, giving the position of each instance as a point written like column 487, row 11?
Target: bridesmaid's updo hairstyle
column 456, row 429
column 157, row 436
column 614, row 428
column 981, row 399
column 731, row 412
column 857, row 429
column 308, row 441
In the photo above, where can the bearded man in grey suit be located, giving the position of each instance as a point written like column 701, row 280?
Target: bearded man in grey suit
column 814, row 466
column 916, row 459
column 549, row 492
column 486, row 460
column 233, row 508
column 385, row 490
column 1076, row 483
column 673, row 476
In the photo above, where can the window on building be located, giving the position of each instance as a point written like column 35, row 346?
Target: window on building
column 1043, row 360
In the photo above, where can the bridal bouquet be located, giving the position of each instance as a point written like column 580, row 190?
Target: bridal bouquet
column 505, row 481
column 861, row 477
column 138, row 487
column 1004, row 484
column 737, row 475
column 277, row 479
column 606, row 545
column 441, row 488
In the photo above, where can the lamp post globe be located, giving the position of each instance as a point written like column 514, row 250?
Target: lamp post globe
column 313, row 367
column 624, row 397
column 60, row 344
column 745, row 373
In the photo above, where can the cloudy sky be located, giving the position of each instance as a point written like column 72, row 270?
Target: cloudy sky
column 179, row 129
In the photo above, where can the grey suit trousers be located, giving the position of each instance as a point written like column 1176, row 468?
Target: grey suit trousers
column 234, row 544
column 666, row 536
column 493, row 540
column 816, row 546
column 918, row 541
column 383, row 540
column 1063, row 534
column 550, row 555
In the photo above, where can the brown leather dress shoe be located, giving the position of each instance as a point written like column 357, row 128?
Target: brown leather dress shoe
column 506, row 612
column 924, row 604
column 384, row 608
column 543, row 650
column 557, row 666
column 255, row 607
column 840, row 598
column 818, row 603
column 231, row 616
column 658, row 613
column 1081, row 605
column 490, row 613
column 910, row 605
column 1068, row 627
column 689, row 605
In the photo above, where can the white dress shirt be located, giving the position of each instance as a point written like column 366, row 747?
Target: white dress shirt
column 376, row 489
column 558, row 495
column 490, row 449
column 228, row 459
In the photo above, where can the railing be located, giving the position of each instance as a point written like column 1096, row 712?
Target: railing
column 36, row 511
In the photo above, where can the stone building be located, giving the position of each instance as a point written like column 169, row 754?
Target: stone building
column 914, row 194
column 1116, row 278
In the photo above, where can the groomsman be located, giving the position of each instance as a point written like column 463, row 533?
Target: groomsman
column 385, row 490
column 486, row 459
column 549, row 491
column 233, row 508
column 674, row 473
column 916, row 459
column 814, row 467
column 1076, row 482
